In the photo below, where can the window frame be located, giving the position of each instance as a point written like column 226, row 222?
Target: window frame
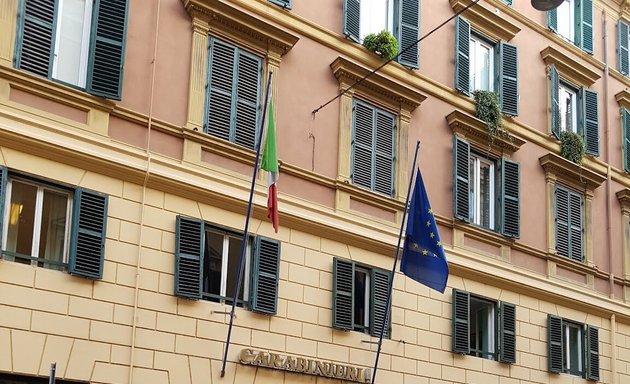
column 568, row 89
column 476, row 204
column 559, row 348
column 582, row 12
column 476, row 42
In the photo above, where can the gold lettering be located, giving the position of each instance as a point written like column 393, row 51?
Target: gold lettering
column 247, row 356
column 302, row 365
column 324, row 369
column 352, row 373
column 261, row 359
column 365, row 375
column 339, row 371
column 275, row 360
column 291, row 363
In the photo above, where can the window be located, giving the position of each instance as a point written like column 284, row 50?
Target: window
column 206, row 266
column 360, row 297
column 569, row 213
column 475, row 198
column 574, row 110
column 573, row 20
column 233, row 93
column 373, row 148
column 400, row 17
column 477, row 60
column 573, row 348
column 483, row 328
column 77, row 42
column 51, row 226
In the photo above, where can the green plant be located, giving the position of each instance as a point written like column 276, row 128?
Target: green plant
column 489, row 110
column 571, row 146
column 383, row 44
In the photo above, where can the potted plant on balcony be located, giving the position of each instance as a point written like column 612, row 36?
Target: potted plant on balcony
column 383, row 44
column 571, row 146
column 489, row 110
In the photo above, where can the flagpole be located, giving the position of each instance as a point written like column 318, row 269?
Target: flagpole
column 391, row 283
column 244, row 240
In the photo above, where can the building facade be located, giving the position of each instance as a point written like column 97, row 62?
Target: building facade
column 128, row 132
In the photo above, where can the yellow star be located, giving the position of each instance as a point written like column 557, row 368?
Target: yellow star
column 425, row 252
column 428, row 223
column 439, row 243
column 431, row 235
column 430, row 211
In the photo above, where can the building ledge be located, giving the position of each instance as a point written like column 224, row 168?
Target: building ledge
column 489, row 23
column 569, row 68
column 570, row 174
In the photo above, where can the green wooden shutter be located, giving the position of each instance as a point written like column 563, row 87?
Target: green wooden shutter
column 283, row 3
column 508, row 2
column 554, row 90
column 249, row 71
column 555, row 355
column 462, row 55
column 586, row 30
column 625, row 122
column 507, row 329
column 264, row 297
column 3, row 194
column 592, row 353
column 378, row 293
column 352, row 19
column 407, row 26
column 343, row 294
column 590, row 122
column 107, row 48
column 87, row 244
column 362, row 144
column 35, row 40
column 461, row 164
column 189, row 250
column 220, row 90
column 508, row 78
column 552, row 20
column 562, row 221
column 461, row 324
column 510, row 198
column 384, row 152
column 575, row 226
column 622, row 47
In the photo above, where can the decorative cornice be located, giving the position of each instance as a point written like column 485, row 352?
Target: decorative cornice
column 571, row 174
column 492, row 24
column 623, row 197
column 396, row 93
column 623, row 99
column 476, row 131
column 569, row 68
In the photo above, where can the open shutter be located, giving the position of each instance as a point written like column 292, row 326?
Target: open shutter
column 507, row 329
column 554, row 91
column 265, row 276
column 552, row 20
column 508, row 78
column 622, row 47
column 461, row 163
column 3, row 195
column 461, row 328
column 384, row 152
column 107, row 48
column 554, row 340
column 575, row 226
column 249, row 70
column 379, row 291
column 362, row 142
column 562, row 221
column 352, row 19
column 586, row 30
column 592, row 353
column 590, row 122
column 283, row 3
column 220, row 89
column 625, row 122
column 462, row 55
column 34, row 47
column 408, row 31
column 343, row 294
column 510, row 198
column 189, row 249
column 87, row 244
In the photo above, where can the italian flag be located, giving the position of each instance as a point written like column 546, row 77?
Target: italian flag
column 270, row 164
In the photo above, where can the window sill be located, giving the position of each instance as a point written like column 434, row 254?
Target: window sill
column 489, row 23
column 570, row 174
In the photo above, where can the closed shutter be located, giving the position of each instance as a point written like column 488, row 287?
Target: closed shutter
column 622, row 47
column 462, row 55
column 220, row 89
column 461, row 164
column 552, row 20
column 362, row 141
column 189, row 250
column 283, row 3
column 508, row 78
column 3, row 194
column 384, row 153
column 34, row 47
column 590, row 122
column 87, row 244
column 554, row 343
column 562, row 221
column 576, row 228
column 461, row 324
column 554, row 90
column 352, row 19
column 408, row 31
column 343, row 294
column 378, row 308
column 625, row 122
column 107, row 48
column 265, row 276
column 586, row 30
column 510, row 198
column 507, row 352
column 592, row 353
column 249, row 71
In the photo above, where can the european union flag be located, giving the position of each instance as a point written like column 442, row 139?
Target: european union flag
column 423, row 257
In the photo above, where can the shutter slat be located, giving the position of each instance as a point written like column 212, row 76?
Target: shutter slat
column 461, row 315
column 587, row 25
column 575, row 226
column 283, row 3
column 591, row 122
column 625, row 120
column 247, row 103
column 189, row 249
column 265, row 276
column 622, row 47
column 554, row 343
column 552, row 20
column 508, row 333
column 462, row 55
column 408, row 31
column 554, row 90
column 592, row 345
column 509, row 79
column 221, row 71
column 562, row 221
column 35, row 48
column 379, row 292
column 510, row 199
column 352, row 19
column 343, row 294
column 88, row 234
column 461, row 164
